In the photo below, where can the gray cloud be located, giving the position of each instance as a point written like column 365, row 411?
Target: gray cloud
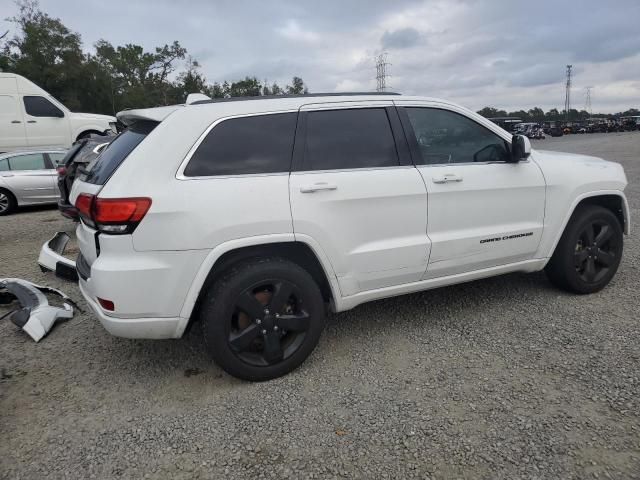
column 403, row 38
column 475, row 53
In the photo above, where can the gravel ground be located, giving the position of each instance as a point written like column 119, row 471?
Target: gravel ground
column 501, row 378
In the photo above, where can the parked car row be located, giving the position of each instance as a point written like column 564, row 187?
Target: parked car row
column 29, row 178
column 40, row 177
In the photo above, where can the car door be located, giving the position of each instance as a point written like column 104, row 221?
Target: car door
column 12, row 128
column 356, row 196
column 483, row 210
column 46, row 124
column 31, row 178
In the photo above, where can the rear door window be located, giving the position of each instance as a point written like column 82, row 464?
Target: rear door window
column 31, row 161
column 116, row 152
column 4, row 165
column 247, row 145
column 350, row 138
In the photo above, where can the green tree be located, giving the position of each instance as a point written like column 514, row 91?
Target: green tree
column 297, row 87
column 46, row 52
column 491, row 112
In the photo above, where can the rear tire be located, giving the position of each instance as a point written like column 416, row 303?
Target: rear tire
column 8, row 202
column 262, row 318
column 589, row 251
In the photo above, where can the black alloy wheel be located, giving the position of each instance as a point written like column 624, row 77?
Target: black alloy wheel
column 268, row 323
column 596, row 251
column 589, row 252
column 262, row 318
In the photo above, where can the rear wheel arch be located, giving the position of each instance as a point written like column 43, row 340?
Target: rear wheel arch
column 297, row 252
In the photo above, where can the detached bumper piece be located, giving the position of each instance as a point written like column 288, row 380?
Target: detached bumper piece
column 51, row 258
column 35, row 316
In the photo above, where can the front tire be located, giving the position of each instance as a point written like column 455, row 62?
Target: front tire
column 262, row 318
column 589, row 252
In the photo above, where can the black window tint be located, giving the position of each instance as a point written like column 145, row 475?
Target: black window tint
column 31, row 161
column 115, row 153
column 448, row 137
column 4, row 165
column 41, row 107
column 357, row 138
column 241, row 146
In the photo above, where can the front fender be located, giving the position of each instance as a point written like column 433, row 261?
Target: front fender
column 548, row 245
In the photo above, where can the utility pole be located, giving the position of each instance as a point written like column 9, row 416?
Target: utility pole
column 381, row 72
column 587, row 101
column 567, row 95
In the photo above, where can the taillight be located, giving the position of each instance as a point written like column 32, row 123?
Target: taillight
column 84, row 204
column 61, row 170
column 112, row 215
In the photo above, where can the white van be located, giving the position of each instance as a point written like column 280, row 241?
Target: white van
column 31, row 117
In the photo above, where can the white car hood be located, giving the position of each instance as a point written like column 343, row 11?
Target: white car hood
column 571, row 168
column 93, row 116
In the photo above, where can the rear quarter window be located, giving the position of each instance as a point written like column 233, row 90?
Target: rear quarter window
column 117, row 151
column 246, row 145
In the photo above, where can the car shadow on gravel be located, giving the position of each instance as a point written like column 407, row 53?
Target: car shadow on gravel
column 453, row 304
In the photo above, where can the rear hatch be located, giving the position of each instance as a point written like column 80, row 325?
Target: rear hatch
column 89, row 182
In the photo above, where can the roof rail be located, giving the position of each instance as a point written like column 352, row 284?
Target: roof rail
column 273, row 97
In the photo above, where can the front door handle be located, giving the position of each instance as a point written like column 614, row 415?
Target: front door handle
column 316, row 187
column 447, row 178
column 6, row 175
column 16, row 121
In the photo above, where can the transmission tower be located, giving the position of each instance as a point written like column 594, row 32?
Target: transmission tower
column 567, row 95
column 587, row 100
column 381, row 72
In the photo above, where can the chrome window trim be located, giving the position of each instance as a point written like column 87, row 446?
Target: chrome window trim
column 340, row 170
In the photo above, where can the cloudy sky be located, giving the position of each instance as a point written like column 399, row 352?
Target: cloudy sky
column 506, row 54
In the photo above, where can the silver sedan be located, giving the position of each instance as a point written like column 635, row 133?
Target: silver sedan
column 29, row 178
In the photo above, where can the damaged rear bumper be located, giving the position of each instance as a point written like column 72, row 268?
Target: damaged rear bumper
column 36, row 316
column 51, row 258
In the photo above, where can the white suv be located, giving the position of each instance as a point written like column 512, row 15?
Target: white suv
column 253, row 216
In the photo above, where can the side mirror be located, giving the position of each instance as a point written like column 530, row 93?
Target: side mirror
column 520, row 148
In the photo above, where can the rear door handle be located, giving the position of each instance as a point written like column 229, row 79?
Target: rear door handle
column 31, row 121
column 16, row 121
column 316, row 187
column 447, row 178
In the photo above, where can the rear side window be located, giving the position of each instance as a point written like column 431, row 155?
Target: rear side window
column 4, row 165
column 41, row 107
column 115, row 153
column 247, row 145
column 338, row 139
column 32, row 161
